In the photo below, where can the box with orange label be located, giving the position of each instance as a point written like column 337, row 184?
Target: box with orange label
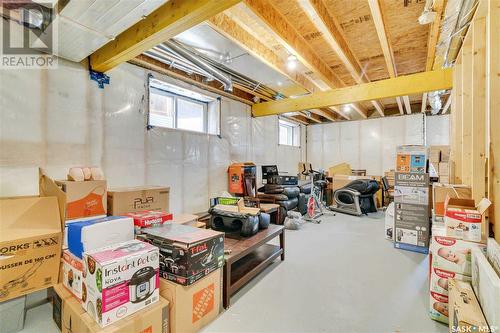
column 411, row 158
column 195, row 306
column 77, row 199
column 237, row 173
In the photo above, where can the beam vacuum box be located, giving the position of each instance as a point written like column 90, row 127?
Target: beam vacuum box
column 411, row 158
column 412, row 188
column 30, row 245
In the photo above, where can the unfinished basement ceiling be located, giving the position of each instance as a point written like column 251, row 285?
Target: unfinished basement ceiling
column 219, row 48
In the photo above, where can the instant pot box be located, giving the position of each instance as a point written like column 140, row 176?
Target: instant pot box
column 119, row 280
column 133, row 199
column 76, row 199
column 486, row 284
column 195, row 306
column 187, row 254
column 453, row 254
column 30, row 245
column 465, row 311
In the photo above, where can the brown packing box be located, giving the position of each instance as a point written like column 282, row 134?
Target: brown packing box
column 464, row 310
column 76, row 199
column 195, row 306
column 30, row 243
column 153, row 319
column 440, row 191
column 444, row 169
column 340, row 169
column 134, row 199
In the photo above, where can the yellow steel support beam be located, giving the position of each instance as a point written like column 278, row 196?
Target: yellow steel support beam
column 164, row 23
column 398, row 86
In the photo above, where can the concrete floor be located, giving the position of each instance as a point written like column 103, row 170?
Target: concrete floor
column 338, row 276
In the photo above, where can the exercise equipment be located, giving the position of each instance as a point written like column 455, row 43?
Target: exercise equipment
column 356, row 198
column 315, row 202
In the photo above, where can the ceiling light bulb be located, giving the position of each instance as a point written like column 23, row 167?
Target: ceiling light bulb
column 291, row 62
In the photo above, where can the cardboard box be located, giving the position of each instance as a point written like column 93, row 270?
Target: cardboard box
column 195, row 306
column 486, row 284
column 340, row 169
column 438, row 307
column 452, row 254
column 412, row 227
column 441, row 190
column 237, row 172
column 465, row 311
column 187, row 254
column 438, row 282
column 339, row 181
column 119, row 280
column 464, row 220
column 493, row 254
column 70, row 317
column 148, row 218
column 186, row 219
column 389, row 222
column 444, row 169
column 72, row 277
column 76, row 199
column 411, row 158
column 30, row 245
column 93, row 234
column 411, row 188
column 133, row 199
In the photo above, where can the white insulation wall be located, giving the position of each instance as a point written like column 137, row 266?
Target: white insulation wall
column 59, row 118
column 371, row 144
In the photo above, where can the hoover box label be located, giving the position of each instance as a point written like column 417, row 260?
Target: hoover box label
column 120, row 280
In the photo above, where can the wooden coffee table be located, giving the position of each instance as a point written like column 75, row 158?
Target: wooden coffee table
column 248, row 257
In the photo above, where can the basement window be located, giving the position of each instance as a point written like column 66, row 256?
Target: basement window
column 289, row 133
column 175, row 107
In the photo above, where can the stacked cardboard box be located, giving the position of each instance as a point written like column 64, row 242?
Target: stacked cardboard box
column 465, row 311
column 453, row 244
column 440, row 163
column 411, row 200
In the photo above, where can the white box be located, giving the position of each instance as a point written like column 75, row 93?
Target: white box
column 493, row 254
column 72, row 273
column 439, row 280
column 452, row 254
column 486, row 284
column 93, row 234
column 389, row 222
column 119, row 280
column 438, row 307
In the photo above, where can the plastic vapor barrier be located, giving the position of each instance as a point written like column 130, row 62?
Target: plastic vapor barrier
column 59, row 118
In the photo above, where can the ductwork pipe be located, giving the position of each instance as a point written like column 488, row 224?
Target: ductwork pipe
column 183, row 52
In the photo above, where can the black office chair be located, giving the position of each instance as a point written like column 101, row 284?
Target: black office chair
column 385, row 191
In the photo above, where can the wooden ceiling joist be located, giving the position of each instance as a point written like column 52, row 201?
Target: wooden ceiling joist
column 378, row 20
column 389, row 88
column 291, row 39
column 167, row 21
column 312, row 116
column 233, row 31
column 300, row 119
column 327, row 24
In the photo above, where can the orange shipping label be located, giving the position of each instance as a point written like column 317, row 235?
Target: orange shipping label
column 147, row 330
column 203, row 302
column 89, row 205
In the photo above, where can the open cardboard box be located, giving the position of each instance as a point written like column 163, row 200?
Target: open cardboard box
column 77, row 199
column 30, row 245
column 239, row 208
column 465, row 220
column 464, row 310
column 440, row 191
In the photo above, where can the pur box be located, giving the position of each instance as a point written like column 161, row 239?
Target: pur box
column 119, row 280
